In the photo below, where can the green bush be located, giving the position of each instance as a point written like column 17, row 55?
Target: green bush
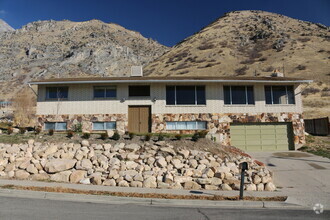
column 116, row 136
column 51, row 132
column 22, row 130
column 202, row 134
column 10, row 130
column 160, row 137
column 70, row 134
column 86, row 135
column 178, row 137
column 131, row 135
column 195, row 137
column 77, row 128
column 104, row 136
column 147, row 137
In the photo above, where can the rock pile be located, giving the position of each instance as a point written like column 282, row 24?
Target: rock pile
column 152, row 165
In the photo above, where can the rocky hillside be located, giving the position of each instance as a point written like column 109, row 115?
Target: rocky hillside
column 4, row 27
column 254, row 43
column 46, row 49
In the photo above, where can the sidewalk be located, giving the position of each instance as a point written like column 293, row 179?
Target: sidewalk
column 141, row 201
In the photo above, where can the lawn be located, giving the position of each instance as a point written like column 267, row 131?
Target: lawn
column 318, row 145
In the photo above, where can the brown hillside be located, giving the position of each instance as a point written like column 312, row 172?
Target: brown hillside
column 254, row 43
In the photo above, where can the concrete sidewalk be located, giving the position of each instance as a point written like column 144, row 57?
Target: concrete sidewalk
column 141, row 201
column 303, row 177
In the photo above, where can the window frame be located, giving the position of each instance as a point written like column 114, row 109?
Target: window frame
column 104, row 125
column 55, row 123
column 286, row 95
column 246, row 95
column 195, row 94
column 186, row 125
column 57, row 89
column 138, row 96
column 105, row 91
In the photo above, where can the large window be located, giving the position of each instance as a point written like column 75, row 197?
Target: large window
column 138, row 91
column 238, row 95
column 57, row 126
column 185, row 95
column 99, row 126
column 186, row 125
column 57, row 92
column 105, row 92
column 279, row 95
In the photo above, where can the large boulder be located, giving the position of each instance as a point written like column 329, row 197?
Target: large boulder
column 61, row 176
column 132, row 147
column 58, row 165
column 77, row 176
column 150, row 182
column 21, row 174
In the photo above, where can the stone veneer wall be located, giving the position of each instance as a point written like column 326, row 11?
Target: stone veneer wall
column 220, row 123
column 217, row 123
column 86, row 120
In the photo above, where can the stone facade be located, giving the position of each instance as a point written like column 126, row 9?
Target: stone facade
column 86, row 120
column 217, row 123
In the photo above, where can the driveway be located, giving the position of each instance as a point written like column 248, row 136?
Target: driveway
column 304, row 177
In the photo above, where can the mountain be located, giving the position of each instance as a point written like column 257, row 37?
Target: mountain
column 255, row 43
column 4, row 27
column 46, row 49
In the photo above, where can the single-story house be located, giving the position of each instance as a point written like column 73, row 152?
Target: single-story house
column 252, row 113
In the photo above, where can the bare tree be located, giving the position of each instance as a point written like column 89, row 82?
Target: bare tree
column 24, row 108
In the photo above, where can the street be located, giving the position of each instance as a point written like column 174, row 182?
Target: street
column 26, row 208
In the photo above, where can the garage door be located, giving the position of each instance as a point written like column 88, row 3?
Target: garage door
column 261, row 136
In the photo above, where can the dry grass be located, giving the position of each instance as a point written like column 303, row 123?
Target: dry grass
column 143, row 195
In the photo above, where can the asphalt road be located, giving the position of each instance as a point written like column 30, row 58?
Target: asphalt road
column 25, row 208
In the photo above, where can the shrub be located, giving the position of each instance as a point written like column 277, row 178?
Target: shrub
column 160, row 137
column 195, row 137
column 202, row 134
column 147, row 137
column 51, row 132
column 131, row 135
column 86, row 135
column 22, row 130
column 10, row 130
column 70, row 134
column 104, row 136
column 116, row 136
column 178, row 136
column 310, row 90
column 241, row 71
column 301, row 67
column 37, row 130
column 77, row 127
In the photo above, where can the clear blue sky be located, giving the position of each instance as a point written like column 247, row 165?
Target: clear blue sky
column 167, row 21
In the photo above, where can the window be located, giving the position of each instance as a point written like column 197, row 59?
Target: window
column 238, row 95
column 138, row 91
column 105, row 92
column 186, row 125
column 279, row 95
column 57, row 126
column 57, row 92
column 111, row 125
column 185, row 95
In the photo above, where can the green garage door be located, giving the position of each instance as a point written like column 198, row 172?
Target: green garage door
column 261, row 136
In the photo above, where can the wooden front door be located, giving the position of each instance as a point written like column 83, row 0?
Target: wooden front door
column 139, row 119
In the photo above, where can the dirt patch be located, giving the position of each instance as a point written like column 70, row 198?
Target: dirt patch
column 143, row 195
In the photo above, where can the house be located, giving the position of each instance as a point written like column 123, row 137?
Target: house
column 252, row 113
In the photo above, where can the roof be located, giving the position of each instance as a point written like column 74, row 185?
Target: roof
column 147, row 79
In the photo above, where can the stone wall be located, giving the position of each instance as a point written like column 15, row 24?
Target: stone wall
column 149, row 164
column 220, row 123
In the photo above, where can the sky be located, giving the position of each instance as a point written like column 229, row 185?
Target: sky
column 167, row 21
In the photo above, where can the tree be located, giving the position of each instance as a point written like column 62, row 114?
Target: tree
column 24, row 108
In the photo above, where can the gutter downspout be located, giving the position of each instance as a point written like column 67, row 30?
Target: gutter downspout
column 33, row 90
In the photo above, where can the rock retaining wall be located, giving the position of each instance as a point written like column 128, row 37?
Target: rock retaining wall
column 152, row 165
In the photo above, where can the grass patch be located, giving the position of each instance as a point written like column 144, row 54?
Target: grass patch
column 143, row 195
column 317, row 145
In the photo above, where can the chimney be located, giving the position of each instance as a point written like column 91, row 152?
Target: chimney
column 277, row 73
column 136, row 71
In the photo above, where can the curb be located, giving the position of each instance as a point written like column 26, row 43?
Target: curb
column 142, row 201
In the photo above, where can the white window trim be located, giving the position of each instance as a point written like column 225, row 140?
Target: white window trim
column 104, row 126
column 246, row 96
column 176, row 129
column 186, row 105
